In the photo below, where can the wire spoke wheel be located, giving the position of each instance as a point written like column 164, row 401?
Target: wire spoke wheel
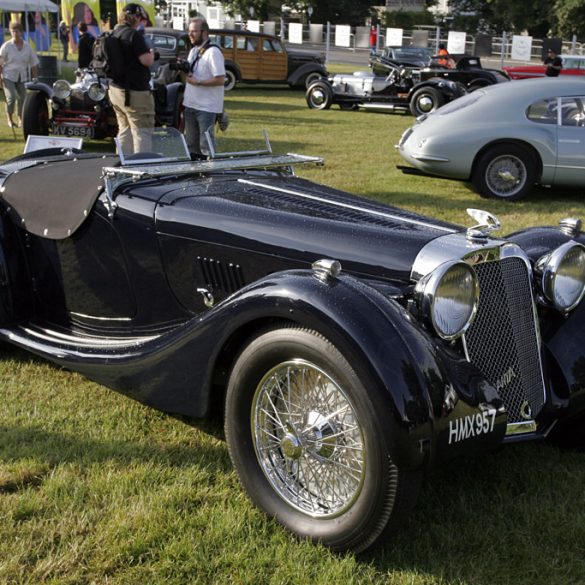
column 506, row 175
column 308, row 440
column 505, row 171
column 307, row 443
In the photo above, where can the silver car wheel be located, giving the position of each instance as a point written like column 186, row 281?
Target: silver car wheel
column 318, row 97
column 506, row 175
column 308, row 439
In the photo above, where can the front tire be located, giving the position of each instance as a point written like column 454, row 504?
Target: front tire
column 305, row 440
column 319, row 96
column 426, row 100
column 506, row 171
column 35, row 114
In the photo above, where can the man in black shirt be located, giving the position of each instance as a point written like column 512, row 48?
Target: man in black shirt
column 130, row 94
column 553, row 63
column 84, row 46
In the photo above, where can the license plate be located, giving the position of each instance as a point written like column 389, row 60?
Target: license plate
column 77, row 131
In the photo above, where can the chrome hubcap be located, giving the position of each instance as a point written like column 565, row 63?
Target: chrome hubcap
column 308, row 440
column 318, row 97
column 425, row 104
column 506, row 175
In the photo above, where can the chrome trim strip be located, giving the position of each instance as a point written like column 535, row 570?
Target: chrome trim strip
column 521, row 428
column 424, row 158
column 87, row 341
column 83, row 316
column 346, row 205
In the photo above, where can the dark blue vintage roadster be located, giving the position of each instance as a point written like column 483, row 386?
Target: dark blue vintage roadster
column 350, row 346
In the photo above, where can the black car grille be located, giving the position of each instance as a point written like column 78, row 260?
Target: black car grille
column 503, row 340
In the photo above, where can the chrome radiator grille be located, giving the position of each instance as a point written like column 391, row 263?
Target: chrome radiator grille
column 503, row 340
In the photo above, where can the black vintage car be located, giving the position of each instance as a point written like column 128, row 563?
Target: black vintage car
column 350, row 346
column 401, row 90
column 82, row 108
column 465, row 69
column 407, row 56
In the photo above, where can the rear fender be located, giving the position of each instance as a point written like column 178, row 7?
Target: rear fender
column 301, row 72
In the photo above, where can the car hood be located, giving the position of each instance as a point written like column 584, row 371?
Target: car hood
column 302, row 57
column 291, row 222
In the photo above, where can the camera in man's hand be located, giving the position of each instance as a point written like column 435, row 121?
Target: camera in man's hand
column 180, row 65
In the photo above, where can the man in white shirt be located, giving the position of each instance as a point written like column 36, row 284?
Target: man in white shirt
column 204, row 88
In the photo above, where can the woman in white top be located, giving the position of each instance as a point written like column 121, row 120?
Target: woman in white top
column 18, row 62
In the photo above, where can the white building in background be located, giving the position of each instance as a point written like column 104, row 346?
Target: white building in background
column 177, row 13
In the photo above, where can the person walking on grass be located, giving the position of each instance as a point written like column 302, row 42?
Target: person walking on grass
column 18, row 64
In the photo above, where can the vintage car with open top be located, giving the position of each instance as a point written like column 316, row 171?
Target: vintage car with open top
column 349, row 346
column 401, row 91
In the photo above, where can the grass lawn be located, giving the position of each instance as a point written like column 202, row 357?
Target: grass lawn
column 98, row 489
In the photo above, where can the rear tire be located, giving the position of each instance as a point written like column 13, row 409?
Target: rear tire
column 505, row 171
column 306, row 442
column 319, row 96
column 311, row 78
column 230, row 79
column 35, row 114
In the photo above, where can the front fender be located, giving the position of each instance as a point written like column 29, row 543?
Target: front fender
column 420, row 389
column 298, row 74
column 449, row 88
column 40, row 86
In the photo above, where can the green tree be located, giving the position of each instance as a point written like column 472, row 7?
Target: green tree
column 242, row 7
column 570, row 15
column 537, row 17
column 354, row 12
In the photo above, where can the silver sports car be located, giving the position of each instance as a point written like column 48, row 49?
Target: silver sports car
column 504, row 138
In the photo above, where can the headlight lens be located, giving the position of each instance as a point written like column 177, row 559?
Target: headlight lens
column 96, row 92
column 563, row 276
column 61, row 89
column 448, row 297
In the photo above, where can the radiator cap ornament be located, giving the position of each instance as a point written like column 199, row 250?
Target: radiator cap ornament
column 487, row 223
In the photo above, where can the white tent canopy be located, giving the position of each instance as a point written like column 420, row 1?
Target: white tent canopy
column 28, row 6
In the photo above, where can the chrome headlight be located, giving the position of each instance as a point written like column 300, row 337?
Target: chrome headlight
column 563, row 276
column 448, row 298
column 97, row 92
column 61, row 89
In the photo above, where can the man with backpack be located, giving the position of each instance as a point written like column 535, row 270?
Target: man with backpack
column 129, row 88
column 204, row 89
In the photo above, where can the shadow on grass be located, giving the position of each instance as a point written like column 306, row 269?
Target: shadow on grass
column 513, row 516
column 33, row 442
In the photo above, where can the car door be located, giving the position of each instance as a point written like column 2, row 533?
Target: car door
column 571, row 142
column 273, row 60
column 248, row 56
